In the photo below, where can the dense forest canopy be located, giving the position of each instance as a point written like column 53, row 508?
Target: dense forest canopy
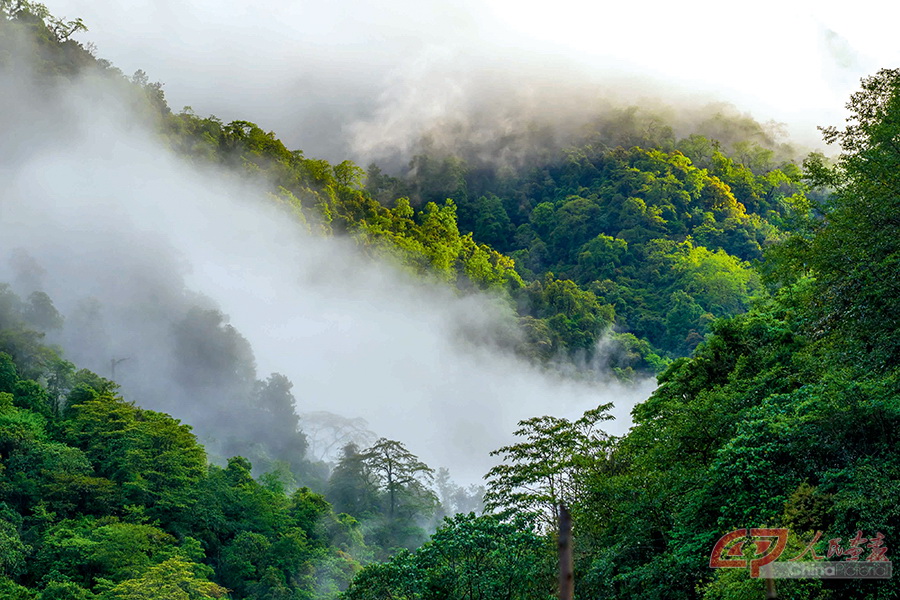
column 761, row 291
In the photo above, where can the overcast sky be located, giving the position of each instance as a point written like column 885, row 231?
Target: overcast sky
column 337, row 78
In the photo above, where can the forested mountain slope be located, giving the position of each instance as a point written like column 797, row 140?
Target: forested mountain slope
column 661, row 231
column 100, row 497
column 634, row 232
column 784, row 415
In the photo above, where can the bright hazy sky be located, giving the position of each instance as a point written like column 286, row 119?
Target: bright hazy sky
column 307, row 69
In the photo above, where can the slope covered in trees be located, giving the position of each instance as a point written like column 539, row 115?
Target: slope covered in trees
column 100, row 498
column 783, row 416
column 786, row 416
column 647, row 244
column 657, row 227
column 634, row 233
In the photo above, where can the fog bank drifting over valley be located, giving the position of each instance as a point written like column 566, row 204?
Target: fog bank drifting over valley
column 127, row 238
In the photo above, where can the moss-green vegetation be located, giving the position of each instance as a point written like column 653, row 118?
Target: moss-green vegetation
column 785, row 414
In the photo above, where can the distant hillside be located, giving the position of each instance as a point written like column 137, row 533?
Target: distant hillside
column 638, row 235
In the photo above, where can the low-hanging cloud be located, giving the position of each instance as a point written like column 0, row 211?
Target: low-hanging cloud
column 127, row 238
column 367, row 80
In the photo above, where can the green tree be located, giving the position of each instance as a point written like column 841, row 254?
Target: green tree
column 469, row 558
column 155, row 460
column 352, row 487
column 547, row 467
column 65, row 590
column 482, row 558
column 12, row 549
column 243, row 560
column 492, row 224
column 174, row 579
column 601, row 257
column 684, row 322
column 13, row 591
column 401, row 475
column 855, row 256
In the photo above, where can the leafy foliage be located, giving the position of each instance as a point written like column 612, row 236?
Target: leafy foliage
column 545, row 470
column 387, row 488
column 105, row 500
column 855, row 254
column 470, row 558
column 786, row 414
